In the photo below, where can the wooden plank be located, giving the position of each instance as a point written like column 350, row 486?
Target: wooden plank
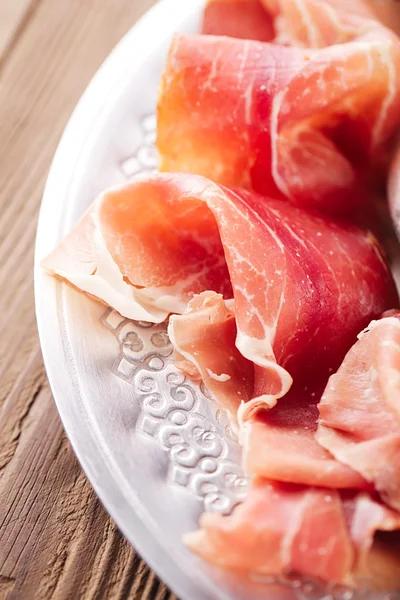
column 14, row 16
column 56, row 541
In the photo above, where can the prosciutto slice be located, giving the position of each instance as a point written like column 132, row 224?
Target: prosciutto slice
column 204, row 342
column 310, row 125
column 303, row 286
column 283, row 528
column 360, row 409
column 320, row 23
column 245, row 19
column 291, row 426
column 308, row 23
column 365, row 516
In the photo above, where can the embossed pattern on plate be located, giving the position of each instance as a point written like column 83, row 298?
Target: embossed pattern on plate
column 200, row 449
column 157, row 449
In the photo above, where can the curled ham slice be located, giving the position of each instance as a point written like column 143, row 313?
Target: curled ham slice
column 245, row 19
column 311, row 125
column 204, row 342
column 282, row 528
column 302, row 285
column 320, row 23
column 360, row 409
column 375, row 560
column 291, row 426
column 308, row 23
column 146, row 259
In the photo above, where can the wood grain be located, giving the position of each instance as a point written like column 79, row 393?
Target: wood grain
column 14, row 15
column 56, row 541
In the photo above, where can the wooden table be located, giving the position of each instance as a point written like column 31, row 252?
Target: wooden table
column 56, row 540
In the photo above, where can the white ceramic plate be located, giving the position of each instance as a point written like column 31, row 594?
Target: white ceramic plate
column 156, row 450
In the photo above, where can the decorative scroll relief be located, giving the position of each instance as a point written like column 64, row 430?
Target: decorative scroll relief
column 145, row 158
column 175, row 412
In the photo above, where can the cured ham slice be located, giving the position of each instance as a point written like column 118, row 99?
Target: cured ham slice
column 320, row 23
column 204, row 123
column 310, row 125
column 142, row 258
column 291, row 426
column 308, row 23
column 245, row 19
column 270, row 533
column 360, row 409
column 282, row 528
column 302, row 285
column 204, row 342
column 366, row 516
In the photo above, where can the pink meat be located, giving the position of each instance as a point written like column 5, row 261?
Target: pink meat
column 291, row 426
column 312, row 125
column 360, row 409
column 315, row 532
column 303, row 286
column 245, row 19
column 309, row 23
column 320, row 23
column 204, row 343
